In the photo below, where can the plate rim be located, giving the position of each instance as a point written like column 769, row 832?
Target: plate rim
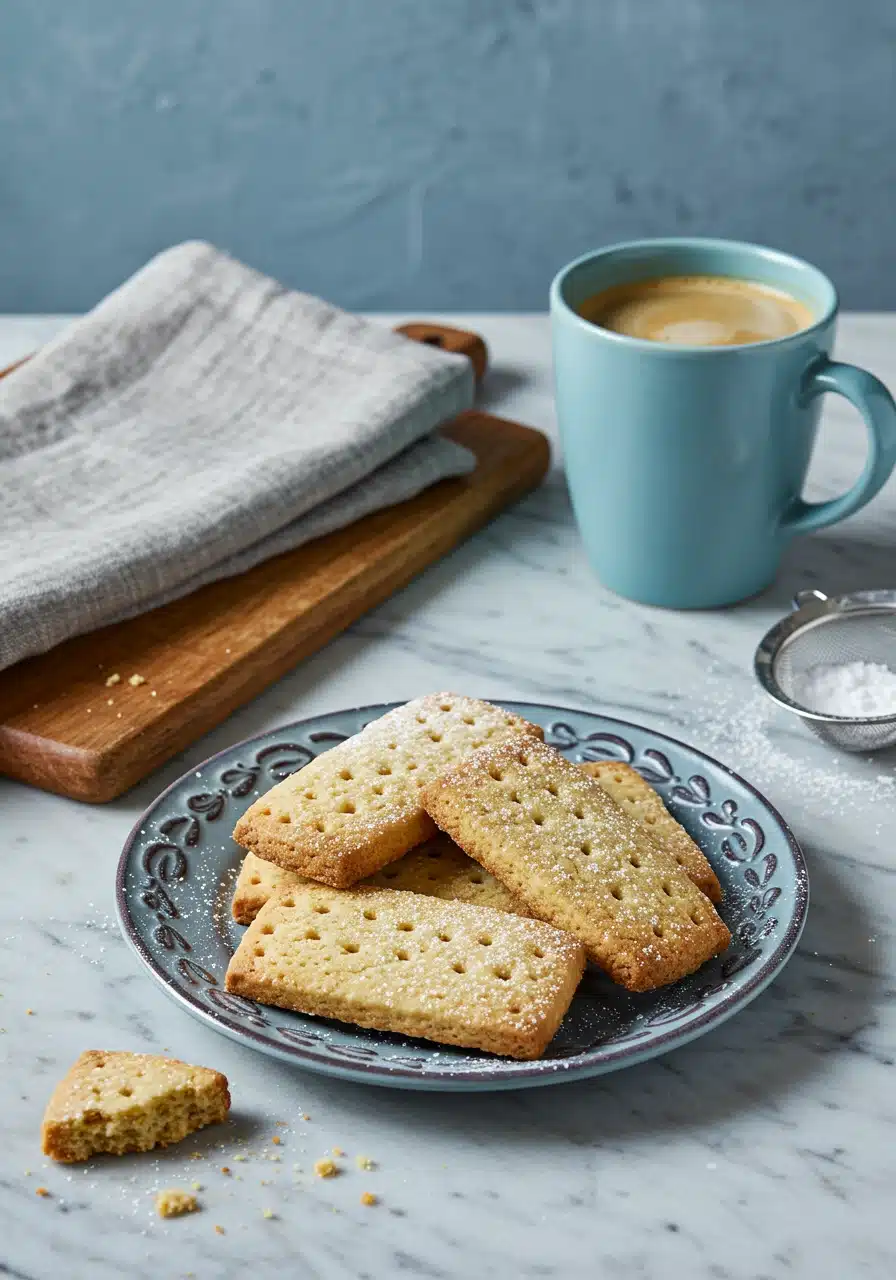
column 525, row 1074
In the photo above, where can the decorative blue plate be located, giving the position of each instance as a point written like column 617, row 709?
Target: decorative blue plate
column 178, row 868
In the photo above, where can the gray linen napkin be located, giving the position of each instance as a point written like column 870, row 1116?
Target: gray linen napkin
column 199, row 420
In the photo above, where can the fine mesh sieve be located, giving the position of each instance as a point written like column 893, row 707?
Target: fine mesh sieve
column 859, row 627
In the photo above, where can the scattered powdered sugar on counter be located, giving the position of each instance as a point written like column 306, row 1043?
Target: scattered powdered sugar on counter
column 771, row 749
column 861, row 689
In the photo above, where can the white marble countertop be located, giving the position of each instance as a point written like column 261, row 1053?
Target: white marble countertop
column 764, row 1150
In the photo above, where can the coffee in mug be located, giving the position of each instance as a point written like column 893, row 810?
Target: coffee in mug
column 697, row 311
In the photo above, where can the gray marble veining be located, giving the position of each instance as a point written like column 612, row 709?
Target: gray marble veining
column 764, row 1150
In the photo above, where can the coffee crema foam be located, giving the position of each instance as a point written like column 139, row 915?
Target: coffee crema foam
column 697, row 311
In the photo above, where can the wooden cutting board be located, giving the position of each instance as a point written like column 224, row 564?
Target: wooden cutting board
column 63, row 729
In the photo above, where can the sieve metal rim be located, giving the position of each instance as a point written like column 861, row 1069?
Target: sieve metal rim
column 812, row 609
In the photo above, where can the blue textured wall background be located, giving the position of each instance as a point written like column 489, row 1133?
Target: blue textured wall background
column 409, row 154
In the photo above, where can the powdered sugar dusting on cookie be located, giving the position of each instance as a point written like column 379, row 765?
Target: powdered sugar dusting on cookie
column 558, row 841
column 448, row 971
column 357, row 807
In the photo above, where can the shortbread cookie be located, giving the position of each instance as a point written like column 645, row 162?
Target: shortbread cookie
column 437, row 868
column 637, row 797
column 446, row 971
column 118, row 1102
column 357, row 807
column 257, row 881
column 440, row 869
column 559, row 842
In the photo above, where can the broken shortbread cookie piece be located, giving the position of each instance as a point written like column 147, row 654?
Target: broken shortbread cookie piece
column 117, row 1102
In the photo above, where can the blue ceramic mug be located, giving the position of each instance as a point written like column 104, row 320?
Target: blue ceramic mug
column 686, row 464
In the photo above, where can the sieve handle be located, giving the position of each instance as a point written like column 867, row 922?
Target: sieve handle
column 809, row 596
column 875, row 404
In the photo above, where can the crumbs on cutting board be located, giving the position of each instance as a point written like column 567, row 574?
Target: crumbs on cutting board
column 134, row 680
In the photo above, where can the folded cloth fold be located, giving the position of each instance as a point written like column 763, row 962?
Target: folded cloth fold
column 199, row 420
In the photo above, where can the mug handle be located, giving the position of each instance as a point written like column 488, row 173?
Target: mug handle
column 875, row 404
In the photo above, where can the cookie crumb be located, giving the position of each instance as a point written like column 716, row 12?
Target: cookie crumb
column 219, row 1231
column 240, row 1157
column 195, row 1186
column 326, row 1168
column 30, row 1013
column 337, row 1151
column 110, row 702
column 225, row 1169
column 136, row 680
column 276, row 1140
column 113, row 679
column 267, row 1213
column 172, row 1203
column 368, row 1198
column 365, row 1163
column 41, row 1191
column 153, row 694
